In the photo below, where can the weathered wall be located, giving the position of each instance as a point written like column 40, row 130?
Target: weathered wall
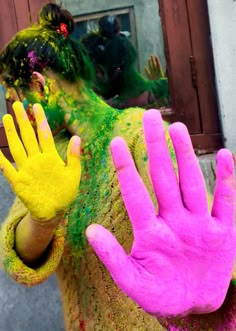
column 223, row 29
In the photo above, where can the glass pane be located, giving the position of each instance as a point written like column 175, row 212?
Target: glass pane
column 3, row 108
column 147, row 40
column 91, row 25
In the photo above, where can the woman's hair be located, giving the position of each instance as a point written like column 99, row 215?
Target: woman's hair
column 53, row 15
column 46, row 45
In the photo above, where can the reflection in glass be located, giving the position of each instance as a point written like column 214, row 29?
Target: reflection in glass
column 116, row 58
column 3, row 108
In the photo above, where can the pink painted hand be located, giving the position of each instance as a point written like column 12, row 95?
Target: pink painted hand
column 182, row 258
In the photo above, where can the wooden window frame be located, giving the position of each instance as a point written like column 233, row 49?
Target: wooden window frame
column 188, row 55
column 190, row 68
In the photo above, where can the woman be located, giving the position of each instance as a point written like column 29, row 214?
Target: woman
column 45, row 229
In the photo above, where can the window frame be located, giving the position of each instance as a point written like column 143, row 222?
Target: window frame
column 189, row 60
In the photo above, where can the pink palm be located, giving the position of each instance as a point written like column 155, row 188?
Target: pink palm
column 182, row 259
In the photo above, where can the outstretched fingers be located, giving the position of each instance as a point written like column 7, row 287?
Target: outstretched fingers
column 134, row 193
column 15, row 145
column 225, row 190
column 45, row 136
column 7, row 169
column 161, row 169
column 191, row 179
column 26, row 131
column 73, row 154
column 157, row 66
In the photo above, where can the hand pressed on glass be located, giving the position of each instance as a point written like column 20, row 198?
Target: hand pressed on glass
column 153, row 69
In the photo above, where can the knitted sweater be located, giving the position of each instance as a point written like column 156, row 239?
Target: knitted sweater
column 91, row 300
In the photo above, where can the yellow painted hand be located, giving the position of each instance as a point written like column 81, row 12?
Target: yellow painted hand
column 41, row 179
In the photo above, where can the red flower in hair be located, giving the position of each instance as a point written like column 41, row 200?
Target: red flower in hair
column 63, row 30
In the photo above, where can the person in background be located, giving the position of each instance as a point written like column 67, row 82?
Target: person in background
column 117, row 79
column 170, row 275
column 95, row 43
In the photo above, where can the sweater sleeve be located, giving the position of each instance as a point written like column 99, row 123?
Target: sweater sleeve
column 12, row 263
column 140, row 156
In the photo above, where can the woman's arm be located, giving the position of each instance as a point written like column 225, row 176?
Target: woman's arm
column 42, row 180
column 32, row 237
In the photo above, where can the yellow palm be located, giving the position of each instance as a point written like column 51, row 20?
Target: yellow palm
column 41, row 179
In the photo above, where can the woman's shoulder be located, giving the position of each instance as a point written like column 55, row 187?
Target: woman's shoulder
column 129, row 124
column 132, row 113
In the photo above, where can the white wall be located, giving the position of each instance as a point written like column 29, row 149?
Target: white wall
column 222, row 15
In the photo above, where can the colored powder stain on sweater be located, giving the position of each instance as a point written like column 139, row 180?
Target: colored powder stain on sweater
column 7, row 263
column 97, row 295
column 82, row 326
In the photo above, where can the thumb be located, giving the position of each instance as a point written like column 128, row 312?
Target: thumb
column 7, row 169
column 73, row 153
column 112, row 254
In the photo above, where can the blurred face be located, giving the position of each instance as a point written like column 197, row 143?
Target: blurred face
column 43, row 90
column 17, row 93
column 57, row 96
